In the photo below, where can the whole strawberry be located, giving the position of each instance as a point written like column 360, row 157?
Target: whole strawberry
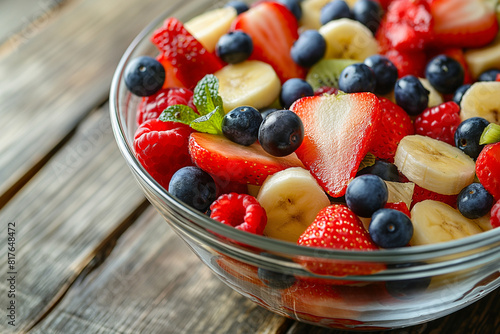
column 439, row 122
column 152, row 106
column 394, row 125
column 488, row 169
column 162, row 148
column 337, row 227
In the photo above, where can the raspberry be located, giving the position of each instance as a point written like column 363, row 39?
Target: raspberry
column 495, row 215
column 487, row 167
column 439, row 122
column 241, row 211
column 152, row 106
column 162, row 148
column 421, row 194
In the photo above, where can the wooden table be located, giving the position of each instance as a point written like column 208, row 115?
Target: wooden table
column 88, row 254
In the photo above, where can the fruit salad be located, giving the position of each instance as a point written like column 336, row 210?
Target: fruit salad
column 355, row 125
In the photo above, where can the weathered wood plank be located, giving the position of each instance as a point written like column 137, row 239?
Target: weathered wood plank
column 49, row 83
column 153, row 283
column 63, row 215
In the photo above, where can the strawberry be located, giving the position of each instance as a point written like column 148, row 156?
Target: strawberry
column 337, row 135
column 190, row 60
column 488, row 167
column 152, row 106
column 239, row 272
column 400, row 206
column 495, row 215
column 337, row 227
column 408, row 62
column 439, row 122
column 394, row 125
column 227, row 160
column 463, row 23
column 407, row 26
column 421, row 194
column 273, row 29
column 162, row 148
column 171, row 80
column 241, row 211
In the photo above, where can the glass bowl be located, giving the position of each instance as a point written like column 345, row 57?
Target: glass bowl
column 419, row 283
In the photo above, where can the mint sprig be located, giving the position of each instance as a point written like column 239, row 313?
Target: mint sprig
column 208, row 103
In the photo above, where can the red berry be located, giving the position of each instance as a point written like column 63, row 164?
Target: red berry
column 152, row 106
column 495, row 215
column 326, row 90
column 421, row 194
column 191, row 61
column 439, row 122
column 400, row 206
column 408, row 62
column 488, row 169
column 241, row 211
column 394, row 125
column 162, row 148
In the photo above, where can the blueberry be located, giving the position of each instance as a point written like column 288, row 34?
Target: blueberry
column 281, row 133
column 308, row 49
column 366, row 194
column 411, row 95
column 144, row 76
column 407, row 288
column 474, row 201
column 383, row 169
column 369, row 13
column 294, row 89
column 240, row 6
column 468, row 134
column 267, row 111
column 386, row 74
column 241, row 125
column 459, row 93
column 445, row 74
column 234, row 47
column 489, row 75
column 274, row 279
column 193, row 186
column 334, row 10
column 390, row 228
column 357, row 78
column 293, row 6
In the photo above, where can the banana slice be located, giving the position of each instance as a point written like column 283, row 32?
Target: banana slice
column 482, row 59
column 252, row 83
column 346, row 38
column 292, row 198
column 435, row 98
column 481, row 100
column 434, row 165
column 311, row 11
column 435, row 222
column 207, row 28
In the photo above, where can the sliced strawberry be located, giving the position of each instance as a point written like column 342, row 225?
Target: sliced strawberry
column 219, row 156
column 239, row 272
column 463, row 23
column 337, row 227
column 394, row 125
column 407, row 26
column 495, row 215
column 171, row 80
column 337, row 135
column 408, row 62
column 273, row 29
column 190, row 60
column 421, row 194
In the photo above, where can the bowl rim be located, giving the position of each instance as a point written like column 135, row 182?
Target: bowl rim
column 422, row 252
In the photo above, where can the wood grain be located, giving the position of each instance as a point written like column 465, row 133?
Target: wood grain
column 153, row 283
column 74, row 204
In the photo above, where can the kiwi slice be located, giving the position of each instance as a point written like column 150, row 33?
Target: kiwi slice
column 490, row 135
column 326, row 72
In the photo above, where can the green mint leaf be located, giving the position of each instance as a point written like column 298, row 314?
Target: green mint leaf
column 178, row 113
column 206, row 95
column 210, row 123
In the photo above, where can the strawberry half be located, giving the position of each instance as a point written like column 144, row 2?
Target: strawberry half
column 273, row 29
column 337, row 135
column 337, row 227
column 225, row 159
column 189, row 59
column 463, row 23
column 394, row 125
